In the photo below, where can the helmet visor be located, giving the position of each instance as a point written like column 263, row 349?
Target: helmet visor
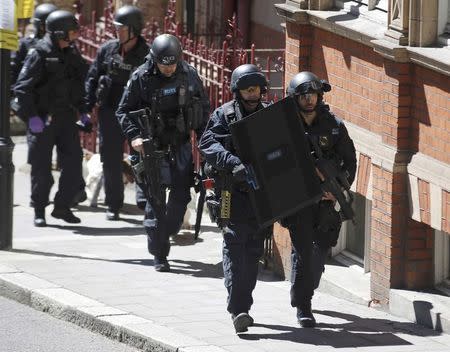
column 118, row 24
column 307, row 87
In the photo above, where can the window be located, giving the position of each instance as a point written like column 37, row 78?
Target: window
column 442, row 260
column 354, row 240
column 444, row 17
column 375, row 4
column 366, row 5
column 444, row 22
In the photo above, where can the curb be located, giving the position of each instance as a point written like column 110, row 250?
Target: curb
column 87, row 313
column 430, row 310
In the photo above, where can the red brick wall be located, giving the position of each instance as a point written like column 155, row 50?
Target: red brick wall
column 419, row 255
column 409, row 107
column 362, row 179
column 355, row 73
column 387, row 247
column 431, row 114
column 298, row 49
column 446, row 211
column 424, row 201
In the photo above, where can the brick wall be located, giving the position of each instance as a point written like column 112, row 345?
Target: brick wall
column 431, row 114
column 446, row 211
column 356, row 75
column 389, row 221
column 408, row 106
column 363, row 175
column 419, row 255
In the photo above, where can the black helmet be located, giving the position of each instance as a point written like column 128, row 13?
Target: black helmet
column 166, row 49
column 247, row 75
column 60, row 22
column 305, row 82
column 40, row 15
column 129, row 16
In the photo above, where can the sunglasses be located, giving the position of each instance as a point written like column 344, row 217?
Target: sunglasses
column 252, row 89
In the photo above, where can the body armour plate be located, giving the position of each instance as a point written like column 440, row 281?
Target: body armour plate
column 271, row 143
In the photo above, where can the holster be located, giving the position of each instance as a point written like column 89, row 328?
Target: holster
column 328, row 224
column 194, row 114
column 138, row 168
column 213, row 206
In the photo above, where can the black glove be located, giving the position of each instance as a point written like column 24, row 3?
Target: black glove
column 239, row 173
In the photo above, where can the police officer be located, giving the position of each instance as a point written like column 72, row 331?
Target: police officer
column 169, row 87
column 315, row 229
column 49, row 92
column 18, row 58
column 106, row 79
column 242, row 244
column 25, row 44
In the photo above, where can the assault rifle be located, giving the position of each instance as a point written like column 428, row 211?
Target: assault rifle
column 335, row 181
column 148, row 169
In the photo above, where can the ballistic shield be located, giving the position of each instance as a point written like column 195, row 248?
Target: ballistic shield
column 272, row 145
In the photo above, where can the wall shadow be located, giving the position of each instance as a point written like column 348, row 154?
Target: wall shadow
column 354, row 332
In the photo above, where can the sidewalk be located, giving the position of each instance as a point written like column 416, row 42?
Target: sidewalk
column 99, row 275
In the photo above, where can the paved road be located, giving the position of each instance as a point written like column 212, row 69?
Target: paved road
column 23, row 329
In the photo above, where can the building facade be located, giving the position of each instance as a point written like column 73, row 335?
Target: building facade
column 388, row 63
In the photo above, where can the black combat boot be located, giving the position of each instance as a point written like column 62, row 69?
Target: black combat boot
column 39, row 217
column 305, row 317
column 65, row 214
column 241, row 322
column 161, row 265
column 112, row 214
column 80, row 197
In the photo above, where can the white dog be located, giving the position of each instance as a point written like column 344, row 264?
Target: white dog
column 94, row 179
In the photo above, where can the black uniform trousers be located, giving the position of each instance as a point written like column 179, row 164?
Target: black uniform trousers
column 62, row 132
column 242, row 249
column 307, row 258
column 111, row 152
column 160, row 223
